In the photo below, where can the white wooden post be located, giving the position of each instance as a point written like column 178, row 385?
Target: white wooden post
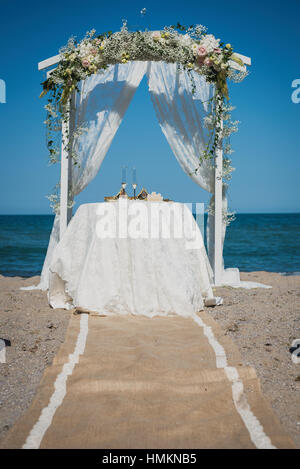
column 66, row 168
column 64, row 180
column 71, row 130
column 218, row 251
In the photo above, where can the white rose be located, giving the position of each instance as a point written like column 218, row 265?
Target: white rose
column 156, row 35
column 84, row 49
column 186, row 40
column 210, row 43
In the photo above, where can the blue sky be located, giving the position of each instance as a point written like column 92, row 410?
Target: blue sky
column 266, row 148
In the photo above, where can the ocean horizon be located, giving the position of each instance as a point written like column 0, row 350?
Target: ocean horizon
column 254, row 242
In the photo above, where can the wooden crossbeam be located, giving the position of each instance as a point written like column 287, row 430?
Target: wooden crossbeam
column 56, row 59
column 49, row 62
column 245, row 59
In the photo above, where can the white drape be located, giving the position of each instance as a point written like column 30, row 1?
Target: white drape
column 181, row 117
column 100, row 107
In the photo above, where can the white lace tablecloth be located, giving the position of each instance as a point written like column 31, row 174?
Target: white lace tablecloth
column 144, row 258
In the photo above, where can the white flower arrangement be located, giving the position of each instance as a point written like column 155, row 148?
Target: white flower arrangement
column 192, row 48
column 210, row 43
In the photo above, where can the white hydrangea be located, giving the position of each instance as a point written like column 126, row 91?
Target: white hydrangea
column 84, row 49
column 210, row 43
column 186, row 40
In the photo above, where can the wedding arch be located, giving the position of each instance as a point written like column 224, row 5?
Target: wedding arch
column 91, row 86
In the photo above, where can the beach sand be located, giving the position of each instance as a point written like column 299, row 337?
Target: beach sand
column 261, row 322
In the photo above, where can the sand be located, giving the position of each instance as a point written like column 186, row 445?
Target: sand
column 262, row 323
column 36, row 331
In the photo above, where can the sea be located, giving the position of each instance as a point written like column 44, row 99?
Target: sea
column 254, row 242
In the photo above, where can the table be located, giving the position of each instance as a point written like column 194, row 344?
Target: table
column 138, row 257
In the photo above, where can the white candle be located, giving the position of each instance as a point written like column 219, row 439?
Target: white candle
column 123, row 174
column 134, row 176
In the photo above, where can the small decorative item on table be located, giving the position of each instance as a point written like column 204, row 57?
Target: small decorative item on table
column 154, row 197
column 143, row 194
column 121, row 194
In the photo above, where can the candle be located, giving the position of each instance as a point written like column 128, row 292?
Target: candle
column 134, row 176
column 123, row 174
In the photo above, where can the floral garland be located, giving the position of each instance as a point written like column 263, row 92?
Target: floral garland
column 190, row 47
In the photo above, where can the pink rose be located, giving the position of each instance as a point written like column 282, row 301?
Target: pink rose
column 208, row 62
column 201, row 52
column 156, row 35
column 85, row 63
column 93, row 51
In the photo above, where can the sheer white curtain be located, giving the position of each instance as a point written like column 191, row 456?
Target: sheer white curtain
column 100, row 107
column 181, row 117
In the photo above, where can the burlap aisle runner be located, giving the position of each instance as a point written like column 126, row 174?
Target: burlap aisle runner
column 133, row 382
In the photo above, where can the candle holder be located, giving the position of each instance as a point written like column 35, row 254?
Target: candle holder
column 134, row 186
column 134, row 183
